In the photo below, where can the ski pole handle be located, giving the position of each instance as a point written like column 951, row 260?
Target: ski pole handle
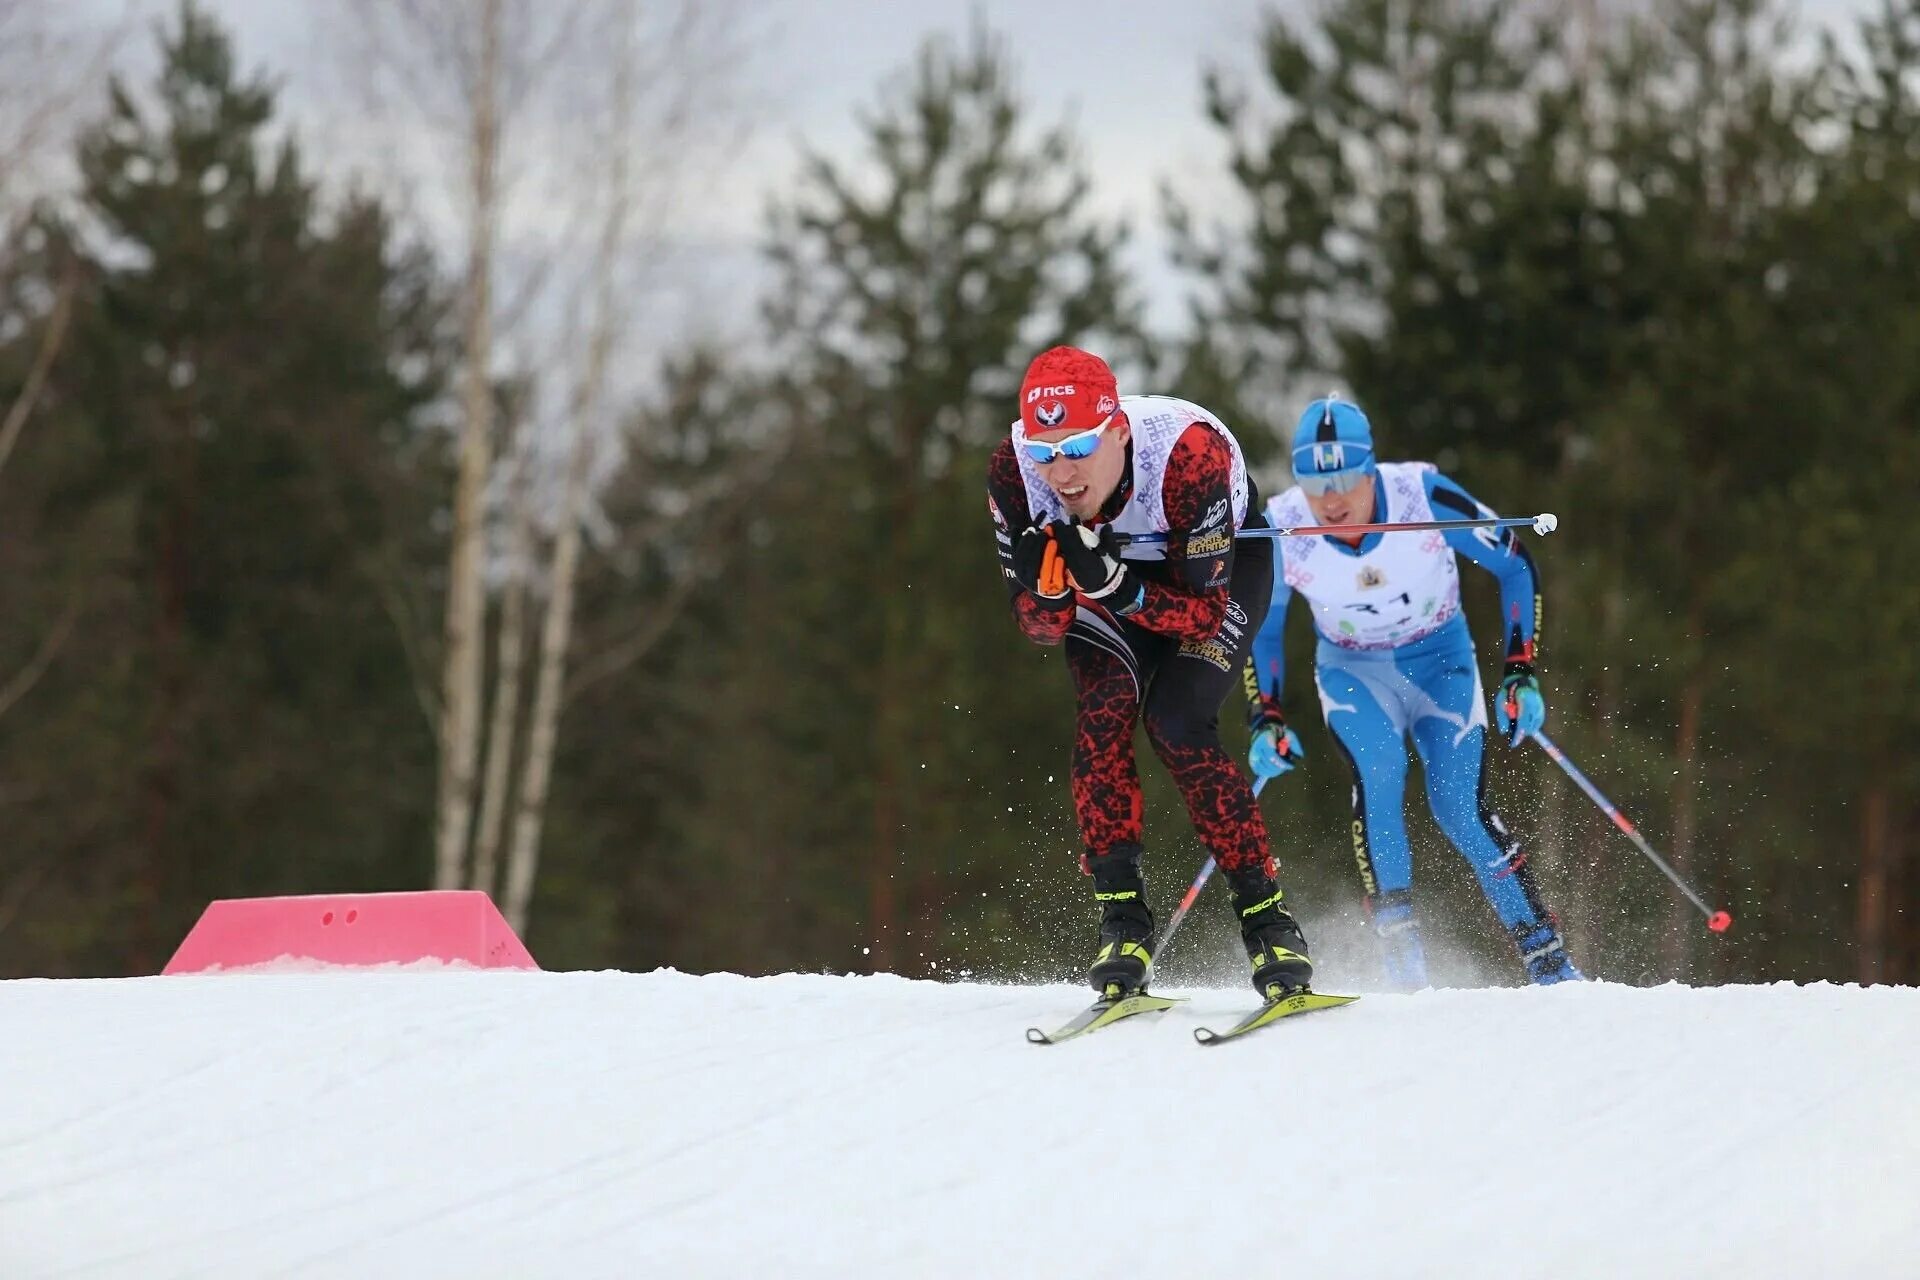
column 1544, row 523
column 1718, row 921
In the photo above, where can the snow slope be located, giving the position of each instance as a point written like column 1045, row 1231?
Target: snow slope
column 464, row 1124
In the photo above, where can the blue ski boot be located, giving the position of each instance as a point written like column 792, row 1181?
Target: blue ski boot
column 1400, row 950
column 1544, row 955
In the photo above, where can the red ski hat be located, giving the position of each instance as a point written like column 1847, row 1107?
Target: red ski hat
column 1068, row 388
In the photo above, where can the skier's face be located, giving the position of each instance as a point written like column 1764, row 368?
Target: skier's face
column 1355, row 506
column 1084, row 484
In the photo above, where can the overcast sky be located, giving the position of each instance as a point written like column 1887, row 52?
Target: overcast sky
column 1125, row 73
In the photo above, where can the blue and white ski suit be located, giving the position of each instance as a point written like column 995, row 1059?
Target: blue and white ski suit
column 1395, row 658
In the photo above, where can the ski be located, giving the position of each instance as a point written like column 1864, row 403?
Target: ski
column 1103, row 1012
column 1301, row 1001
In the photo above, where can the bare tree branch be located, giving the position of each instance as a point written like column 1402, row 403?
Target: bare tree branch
column 416, row 46
column 525, row 76
column 707, row 492
column 50, row 343
column 49, row 69
column 663, row 613
column 50, row 646
column 386, row 582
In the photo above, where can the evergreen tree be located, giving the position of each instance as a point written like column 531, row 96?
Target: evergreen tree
column 917, row 298
column 1828, row 667
column 238, row 430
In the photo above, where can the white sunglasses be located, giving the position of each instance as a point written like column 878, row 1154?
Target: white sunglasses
column 1080, row 444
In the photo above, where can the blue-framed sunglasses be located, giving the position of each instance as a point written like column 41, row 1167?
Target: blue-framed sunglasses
column 1080, row 444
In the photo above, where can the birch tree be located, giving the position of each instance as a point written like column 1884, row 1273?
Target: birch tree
column 639, row 179
column 445, row 62
column 462, row 75
column 505, row 716
column 466, row 600
column 513, row 81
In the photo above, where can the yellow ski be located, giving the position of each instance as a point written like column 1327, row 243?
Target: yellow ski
column 1103, row 1012
column 1284, row 1006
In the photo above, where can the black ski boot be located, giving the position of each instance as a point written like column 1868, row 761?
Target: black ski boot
column 1126, row 923
column 1276, row 948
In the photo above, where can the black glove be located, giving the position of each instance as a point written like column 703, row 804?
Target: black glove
column 1039, row 567
column 1094, row 564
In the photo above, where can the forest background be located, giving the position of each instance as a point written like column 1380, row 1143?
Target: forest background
column 355, row 537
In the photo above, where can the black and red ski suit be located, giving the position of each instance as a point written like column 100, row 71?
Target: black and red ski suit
column 1170, row 663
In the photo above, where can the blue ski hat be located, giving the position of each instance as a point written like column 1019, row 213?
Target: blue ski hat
column 1332, row 438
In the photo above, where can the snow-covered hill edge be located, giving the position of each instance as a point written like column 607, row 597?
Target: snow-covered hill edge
column 448, row 1123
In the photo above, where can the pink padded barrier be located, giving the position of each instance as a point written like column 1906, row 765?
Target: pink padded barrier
column 453, row 925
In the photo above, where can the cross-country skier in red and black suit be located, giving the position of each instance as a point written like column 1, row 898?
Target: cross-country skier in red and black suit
column 1153, row 633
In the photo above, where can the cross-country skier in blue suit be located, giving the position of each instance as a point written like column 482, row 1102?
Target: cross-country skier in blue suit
column 1395, row 658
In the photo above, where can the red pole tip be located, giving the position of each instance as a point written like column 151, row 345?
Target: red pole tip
column 1719, row 922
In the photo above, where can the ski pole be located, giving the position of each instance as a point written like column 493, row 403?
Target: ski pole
column 1718, row 921
column 1186, row 903
column 1544, row 523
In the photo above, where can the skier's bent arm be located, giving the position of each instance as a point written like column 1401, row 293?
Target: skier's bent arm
column 1042, row 620
column 1501, row 553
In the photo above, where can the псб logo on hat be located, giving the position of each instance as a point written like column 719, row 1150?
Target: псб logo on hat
column 1067, row 389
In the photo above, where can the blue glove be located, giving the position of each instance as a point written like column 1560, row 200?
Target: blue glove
column 1276, row 749
column 1519, row 710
